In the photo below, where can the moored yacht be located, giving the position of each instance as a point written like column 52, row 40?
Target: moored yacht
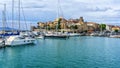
column 40, row 37
column 19, row 40
column 74, row 34
column 56, row 35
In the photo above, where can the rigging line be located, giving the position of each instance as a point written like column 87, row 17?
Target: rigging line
column 24, row 16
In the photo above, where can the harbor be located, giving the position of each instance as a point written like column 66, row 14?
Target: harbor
column 59, row 34
column 74, row 52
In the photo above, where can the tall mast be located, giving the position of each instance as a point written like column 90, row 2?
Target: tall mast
column 4, row 18
column 19, row 14
column 57, row 15
column 59, row 9
column 12, row 14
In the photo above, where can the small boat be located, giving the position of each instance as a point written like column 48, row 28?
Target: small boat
column 74, row 34
column 114, row 36
column 56, row 35
column 40, row 37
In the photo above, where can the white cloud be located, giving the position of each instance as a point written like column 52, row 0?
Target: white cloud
column 45, row 10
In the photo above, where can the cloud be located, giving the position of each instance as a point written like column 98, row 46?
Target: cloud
column 45, row 10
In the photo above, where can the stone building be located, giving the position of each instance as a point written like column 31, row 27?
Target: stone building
column 41, row 25
column 92, row 26
column 80, row 24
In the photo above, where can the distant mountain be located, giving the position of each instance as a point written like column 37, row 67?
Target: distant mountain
column 7, row 28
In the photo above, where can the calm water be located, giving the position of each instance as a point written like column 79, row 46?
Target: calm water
column 76, row 52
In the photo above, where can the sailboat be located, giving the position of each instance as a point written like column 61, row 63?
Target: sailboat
column 2, row 36
column 57, row 34
column 15, row 40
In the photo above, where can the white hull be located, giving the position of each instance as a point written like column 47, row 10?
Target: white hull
column 1, row 43
column 40, row 37
column 115, row 36
column 15, row 41
column 74, row 34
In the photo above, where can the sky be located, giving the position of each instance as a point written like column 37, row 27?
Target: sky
column 99, row 11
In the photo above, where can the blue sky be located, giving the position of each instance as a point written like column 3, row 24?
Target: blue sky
column 100, row 11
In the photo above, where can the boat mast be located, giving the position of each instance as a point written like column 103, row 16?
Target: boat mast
column 12, row 15
column 3, row 23
column 59, row 13
column 4, row 18
column 19, row 15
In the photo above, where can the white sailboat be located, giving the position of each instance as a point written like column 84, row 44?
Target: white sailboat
column 57, row 34
column 16, row 40
column 2, row 37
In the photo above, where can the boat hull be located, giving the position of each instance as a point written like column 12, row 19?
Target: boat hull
column 55, row 37
column 19, row 42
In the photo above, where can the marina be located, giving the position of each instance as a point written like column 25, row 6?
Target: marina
column 59, row 34
column 25, row 38
column 75, row 52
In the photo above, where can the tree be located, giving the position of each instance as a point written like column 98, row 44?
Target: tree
column 75, row 27
column 103, row 26
column 58, row 25
column 49, row 28
column 116, row 30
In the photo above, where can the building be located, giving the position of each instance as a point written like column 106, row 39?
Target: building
column 71, row 24
column 115, row 28
column 92, row 26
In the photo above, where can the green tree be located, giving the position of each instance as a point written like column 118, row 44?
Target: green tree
column 75, row 27
column 116, row 30
column 58, row 25
column 103, row 26
column 48, row 27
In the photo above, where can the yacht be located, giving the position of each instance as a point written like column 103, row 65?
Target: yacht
column 18, row 40
column 74, row 34
column 40, row 37
column 114, row 35
column 56, row 35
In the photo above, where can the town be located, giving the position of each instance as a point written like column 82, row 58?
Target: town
column 77, row 26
